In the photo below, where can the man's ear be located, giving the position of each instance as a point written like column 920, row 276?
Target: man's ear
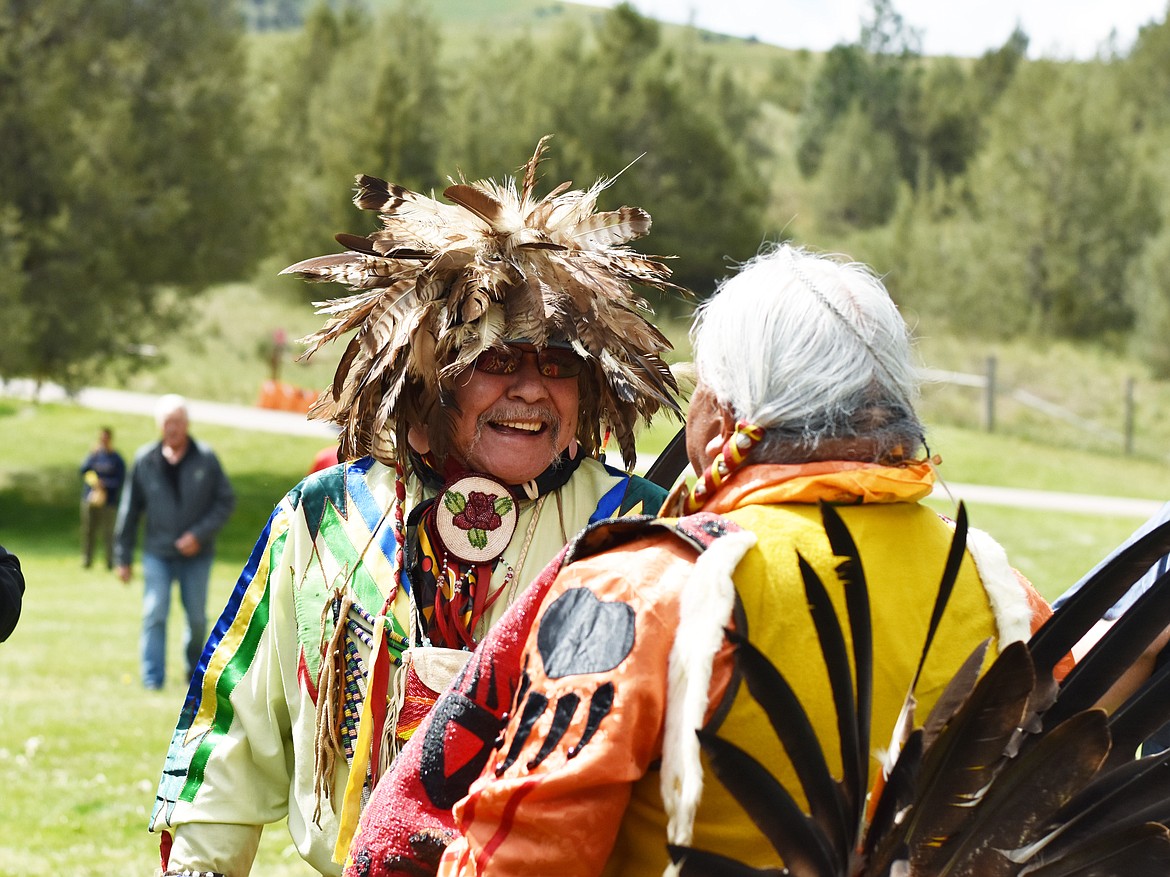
column 418, row 439
column 726, row 431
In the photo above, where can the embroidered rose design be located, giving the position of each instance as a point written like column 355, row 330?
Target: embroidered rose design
column 478, row 513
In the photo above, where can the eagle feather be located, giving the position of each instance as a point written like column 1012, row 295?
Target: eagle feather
column 978, row 790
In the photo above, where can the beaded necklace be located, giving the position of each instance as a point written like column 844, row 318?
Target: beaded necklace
column 453, row 542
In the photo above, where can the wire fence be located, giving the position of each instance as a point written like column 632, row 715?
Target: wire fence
column 994, row 392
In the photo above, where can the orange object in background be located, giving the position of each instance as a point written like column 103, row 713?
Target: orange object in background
column 285, row 397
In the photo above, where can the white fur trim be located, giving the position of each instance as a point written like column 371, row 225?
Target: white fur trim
column 1009, row 601
column 705, row 607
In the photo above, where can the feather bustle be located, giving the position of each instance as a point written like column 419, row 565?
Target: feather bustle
column 976, row 793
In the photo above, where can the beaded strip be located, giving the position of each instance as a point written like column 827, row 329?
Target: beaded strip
column 362, row 632
column 339, row 712
column 355, row 677
column 731, row 457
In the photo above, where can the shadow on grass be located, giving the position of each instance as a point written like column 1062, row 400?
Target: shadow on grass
column 39, row 510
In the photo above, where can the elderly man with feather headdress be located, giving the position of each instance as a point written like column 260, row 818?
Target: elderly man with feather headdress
column 568, row 744
column 499, row 343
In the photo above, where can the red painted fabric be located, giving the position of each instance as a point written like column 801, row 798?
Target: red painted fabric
column 408, row 821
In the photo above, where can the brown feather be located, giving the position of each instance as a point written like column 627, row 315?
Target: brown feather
column 320, row 267
column 479, row 202
column 356, row 242
column 615, row 227
column 373, row 193
column 538, row 217
column 530, row 169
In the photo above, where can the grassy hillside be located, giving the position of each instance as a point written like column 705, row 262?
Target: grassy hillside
column 465, row 23
column 223, row 352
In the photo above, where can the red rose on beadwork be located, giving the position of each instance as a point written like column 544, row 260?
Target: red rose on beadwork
column 479, row 513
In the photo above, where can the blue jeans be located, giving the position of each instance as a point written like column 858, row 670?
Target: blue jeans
column 192, row 573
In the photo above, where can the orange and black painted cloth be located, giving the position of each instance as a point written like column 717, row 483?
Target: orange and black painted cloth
column 578, row 682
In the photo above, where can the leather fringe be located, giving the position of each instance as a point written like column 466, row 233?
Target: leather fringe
column 327, row 745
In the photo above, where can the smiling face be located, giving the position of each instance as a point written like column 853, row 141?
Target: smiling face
column 512, row 426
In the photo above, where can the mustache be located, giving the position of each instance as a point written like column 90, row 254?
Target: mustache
column 512, row 411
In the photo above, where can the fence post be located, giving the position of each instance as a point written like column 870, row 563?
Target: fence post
column 990, row 401
column 1129, row 416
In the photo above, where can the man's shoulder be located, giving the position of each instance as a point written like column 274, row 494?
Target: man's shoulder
column 359, row 478
column 203, row 449
column 698, row 532
column 147, row 449
column 618, row 492
column 650, row 495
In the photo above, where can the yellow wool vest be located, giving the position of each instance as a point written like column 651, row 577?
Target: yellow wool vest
column 903, row 547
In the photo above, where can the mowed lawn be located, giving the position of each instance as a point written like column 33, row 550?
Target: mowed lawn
column 82, row 744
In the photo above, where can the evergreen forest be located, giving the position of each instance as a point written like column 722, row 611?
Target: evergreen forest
column 152, row 150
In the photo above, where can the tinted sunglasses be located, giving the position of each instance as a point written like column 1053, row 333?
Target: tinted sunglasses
column 551, row 362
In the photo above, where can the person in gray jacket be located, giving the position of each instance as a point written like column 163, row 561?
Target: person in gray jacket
column 179, row 487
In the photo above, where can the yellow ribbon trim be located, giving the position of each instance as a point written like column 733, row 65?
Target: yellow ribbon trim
column 351, row 803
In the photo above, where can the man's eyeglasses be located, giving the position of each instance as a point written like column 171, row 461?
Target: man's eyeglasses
column 551, row 362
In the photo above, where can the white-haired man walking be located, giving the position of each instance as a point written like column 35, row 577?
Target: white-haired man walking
column 179, row 488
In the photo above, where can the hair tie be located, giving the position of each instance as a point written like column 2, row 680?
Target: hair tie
column 730, row 457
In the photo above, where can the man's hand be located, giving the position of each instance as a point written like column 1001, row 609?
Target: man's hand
column 187, row 544
column 123, row 573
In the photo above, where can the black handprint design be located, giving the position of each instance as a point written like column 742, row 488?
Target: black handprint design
column 578, row 635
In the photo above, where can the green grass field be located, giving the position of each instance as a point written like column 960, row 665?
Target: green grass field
column 82, row 744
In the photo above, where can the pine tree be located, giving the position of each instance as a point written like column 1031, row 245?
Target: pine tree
column 123, row 173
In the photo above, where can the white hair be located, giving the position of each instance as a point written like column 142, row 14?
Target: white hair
column 168, row 405
column 811, row 348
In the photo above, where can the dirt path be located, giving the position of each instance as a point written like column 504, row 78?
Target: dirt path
column 266, row 420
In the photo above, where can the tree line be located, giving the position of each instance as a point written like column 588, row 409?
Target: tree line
column 153, row 149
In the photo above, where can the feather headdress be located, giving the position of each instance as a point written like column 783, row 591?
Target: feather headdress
column 439, row 284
